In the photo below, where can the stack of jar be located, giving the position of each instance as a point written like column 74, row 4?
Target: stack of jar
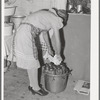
column 51, row 68
column 79, row 6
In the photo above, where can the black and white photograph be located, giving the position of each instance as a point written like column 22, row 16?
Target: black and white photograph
column 49, row 50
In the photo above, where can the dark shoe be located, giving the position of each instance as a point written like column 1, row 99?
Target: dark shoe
column 40, row 92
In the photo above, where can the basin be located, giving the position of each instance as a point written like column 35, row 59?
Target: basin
column 9, row 11
column 17, row 19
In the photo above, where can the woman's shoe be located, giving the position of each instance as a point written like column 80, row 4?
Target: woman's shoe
column 40, row 92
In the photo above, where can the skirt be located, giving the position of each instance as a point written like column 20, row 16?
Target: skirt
column 25, row 47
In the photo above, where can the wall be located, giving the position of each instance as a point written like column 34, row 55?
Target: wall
column 27, row 6
column 77, row 45
column 24, row 7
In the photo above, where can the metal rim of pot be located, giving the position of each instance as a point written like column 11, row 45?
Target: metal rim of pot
column 58, row 74
column 18, row 16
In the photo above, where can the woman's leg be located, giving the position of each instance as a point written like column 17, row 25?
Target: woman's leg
column 33, row 78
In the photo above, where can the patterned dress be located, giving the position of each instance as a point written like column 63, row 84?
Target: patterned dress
column 25, row 39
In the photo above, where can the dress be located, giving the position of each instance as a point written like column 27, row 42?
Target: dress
column 25, row 46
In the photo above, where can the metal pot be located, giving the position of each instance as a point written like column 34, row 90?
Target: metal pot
column 56, row 83
column 17, row 19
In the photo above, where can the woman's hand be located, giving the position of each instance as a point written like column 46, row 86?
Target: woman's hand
column 57, row 60
column 58, row 57
column 50, row 51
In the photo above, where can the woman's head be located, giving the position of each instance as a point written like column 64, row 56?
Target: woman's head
column 63, row 14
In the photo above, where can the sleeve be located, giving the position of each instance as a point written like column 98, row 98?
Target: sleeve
column 57, row 23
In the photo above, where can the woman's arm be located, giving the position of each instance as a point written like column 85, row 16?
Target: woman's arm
column 56, row 43
column 55, row 40
column 46, row 39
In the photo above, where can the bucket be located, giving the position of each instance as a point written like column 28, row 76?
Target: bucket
column 55, row 83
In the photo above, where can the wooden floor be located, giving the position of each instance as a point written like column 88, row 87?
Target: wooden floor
column 16, row 88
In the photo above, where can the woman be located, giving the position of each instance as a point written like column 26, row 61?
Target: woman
column 25, row 47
